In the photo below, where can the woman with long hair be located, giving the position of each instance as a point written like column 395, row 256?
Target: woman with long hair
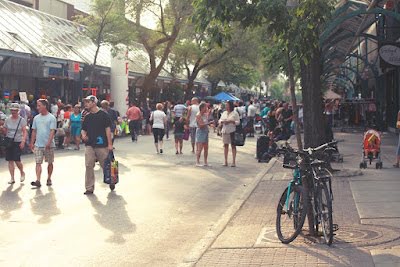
column 229, row 120
column 202, row 134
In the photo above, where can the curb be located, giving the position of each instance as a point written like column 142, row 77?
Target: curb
column 216, row 230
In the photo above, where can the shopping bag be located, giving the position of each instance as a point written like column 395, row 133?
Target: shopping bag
column 110, row 170
column 186, row 134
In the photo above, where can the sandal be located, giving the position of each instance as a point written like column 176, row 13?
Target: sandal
column 36, row 184
column 48, row 183
column 22, row 179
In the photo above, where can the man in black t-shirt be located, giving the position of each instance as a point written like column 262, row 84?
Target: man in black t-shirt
column 96, row 133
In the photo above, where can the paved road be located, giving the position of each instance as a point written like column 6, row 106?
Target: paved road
column 161, row 208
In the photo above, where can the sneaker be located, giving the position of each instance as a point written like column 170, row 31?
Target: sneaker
column 11, row 182
column 49, row 183
column 88, row 192
column 36, row 184
column 161, row 151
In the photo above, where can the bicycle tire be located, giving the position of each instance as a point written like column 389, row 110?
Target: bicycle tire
column 325, row 213
column 296, row 218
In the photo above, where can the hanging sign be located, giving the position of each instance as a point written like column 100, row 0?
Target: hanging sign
column 390, row 54
column 23, row 97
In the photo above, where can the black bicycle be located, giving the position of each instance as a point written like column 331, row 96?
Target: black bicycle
column 296, row 199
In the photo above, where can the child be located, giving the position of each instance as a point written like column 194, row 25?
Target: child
column 179, row 132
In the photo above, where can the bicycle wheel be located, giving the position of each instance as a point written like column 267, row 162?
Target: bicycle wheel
column 325, row 212
column 291, row 213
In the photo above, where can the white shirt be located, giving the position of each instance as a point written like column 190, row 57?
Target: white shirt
column 192, row 120
column 229, row 128
column 251, row 112
column 158, row 117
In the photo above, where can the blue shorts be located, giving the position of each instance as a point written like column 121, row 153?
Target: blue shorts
column 75, row 131
column 201, row 136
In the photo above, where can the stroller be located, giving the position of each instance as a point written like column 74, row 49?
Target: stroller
column 371, row 149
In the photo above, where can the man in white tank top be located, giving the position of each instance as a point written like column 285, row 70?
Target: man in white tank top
column 191, row 120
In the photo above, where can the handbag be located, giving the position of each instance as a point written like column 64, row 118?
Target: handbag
column 238, row 137
column 8, row 142
column 186, row 134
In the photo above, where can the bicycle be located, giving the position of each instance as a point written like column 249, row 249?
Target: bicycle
column 295, row 200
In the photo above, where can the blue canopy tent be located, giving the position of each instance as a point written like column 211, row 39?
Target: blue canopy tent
column 223, row 96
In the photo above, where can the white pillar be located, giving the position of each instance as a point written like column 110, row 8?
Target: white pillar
column 119, row 81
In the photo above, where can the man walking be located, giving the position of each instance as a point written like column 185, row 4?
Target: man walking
column 42, row 141
column 193, row 110
column 96, row 133
column 105, row 105
column 135, row 118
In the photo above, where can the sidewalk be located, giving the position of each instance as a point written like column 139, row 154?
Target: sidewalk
column 366, row 208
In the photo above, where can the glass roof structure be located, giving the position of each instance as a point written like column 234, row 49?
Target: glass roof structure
column 352, row 23
column 28, row 32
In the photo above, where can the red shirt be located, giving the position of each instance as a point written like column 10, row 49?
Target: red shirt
column 134, row 113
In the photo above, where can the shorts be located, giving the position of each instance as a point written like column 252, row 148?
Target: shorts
column 14, row 152
column 47, row 154
column 201, row 136
column 227, row 138
column 75, row 131
column 158, row 134
column 178, row 136
column 192, row 131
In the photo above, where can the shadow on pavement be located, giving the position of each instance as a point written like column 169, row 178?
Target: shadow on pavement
column 113, row 216
column 44, row 205
column 337, row 256
column 10, row 201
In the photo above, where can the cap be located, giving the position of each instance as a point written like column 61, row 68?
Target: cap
column 91, row 98
column 14, row 106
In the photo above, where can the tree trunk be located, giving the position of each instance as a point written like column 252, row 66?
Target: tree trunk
column 314, row 129
column 292, row 86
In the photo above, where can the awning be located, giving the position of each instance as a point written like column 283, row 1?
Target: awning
column 223, row 96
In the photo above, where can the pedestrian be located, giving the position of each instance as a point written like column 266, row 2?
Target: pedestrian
column 193, row 110
column 105, row 105
column 159, row 120
column 179, row 110
column 202, row 135
column 75, row 126
column 229, row 120
column 67, row 126
column 167, row 111
column 251, row 114
column 42, row 143
column 135, row 118
column 96, row 133
column 178, row 133
column 397, row 164
column 15, row 129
